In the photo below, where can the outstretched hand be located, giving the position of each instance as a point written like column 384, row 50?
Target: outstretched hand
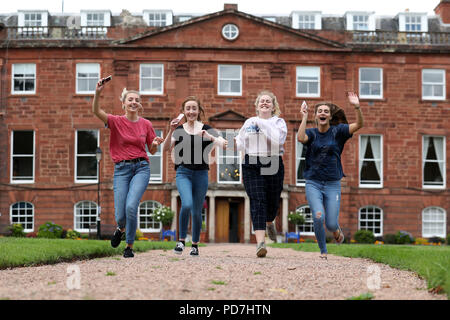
column 353, row 98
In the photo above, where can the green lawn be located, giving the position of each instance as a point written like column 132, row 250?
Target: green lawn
column 18, row 252
column 429, row 262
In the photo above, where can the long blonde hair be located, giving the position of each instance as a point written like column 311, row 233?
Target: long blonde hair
column 276, row 107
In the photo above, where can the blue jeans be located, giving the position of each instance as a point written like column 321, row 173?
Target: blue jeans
column 324, row 199
column 192, row 186
column 130, row 182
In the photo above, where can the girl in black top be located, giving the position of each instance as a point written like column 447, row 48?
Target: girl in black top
column 190, row 144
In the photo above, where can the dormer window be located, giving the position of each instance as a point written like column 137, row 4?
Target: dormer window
column 158, row 18
column 360, row 21
column 94, row 21
column 307, row 20
column 412, row 22
column 33, row 22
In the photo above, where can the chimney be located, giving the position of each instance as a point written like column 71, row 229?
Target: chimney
column 230, row 6
column 443, row 10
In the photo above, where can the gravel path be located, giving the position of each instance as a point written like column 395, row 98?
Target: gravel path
column 222, row 271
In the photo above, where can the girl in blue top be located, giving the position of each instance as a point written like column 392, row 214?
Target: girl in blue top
column 323, row 171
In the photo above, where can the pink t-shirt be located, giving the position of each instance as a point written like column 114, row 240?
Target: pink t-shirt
column 128, row 138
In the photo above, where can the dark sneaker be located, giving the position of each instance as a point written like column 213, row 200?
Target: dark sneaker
column 194, row 252
column 128, row 253
column 116, row 238
column 179, row 248
column 272, row 232
column 261, row 250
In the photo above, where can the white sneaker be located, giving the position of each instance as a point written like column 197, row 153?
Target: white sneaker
column 179, row 248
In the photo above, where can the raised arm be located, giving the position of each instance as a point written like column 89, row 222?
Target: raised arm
column 102, row 115
column 354, row 101
column 301, row 133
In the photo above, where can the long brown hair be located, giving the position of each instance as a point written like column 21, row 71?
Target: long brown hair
column 200, row 107
column 337, row 114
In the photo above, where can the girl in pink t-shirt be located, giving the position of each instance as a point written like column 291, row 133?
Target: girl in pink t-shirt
column 129, row 135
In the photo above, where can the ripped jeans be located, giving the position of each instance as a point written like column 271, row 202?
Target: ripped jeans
column 324, row 199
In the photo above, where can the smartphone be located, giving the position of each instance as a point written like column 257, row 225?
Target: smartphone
column 306, row 105
column 180, row 116
column 106, row 80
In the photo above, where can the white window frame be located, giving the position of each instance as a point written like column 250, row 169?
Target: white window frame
column 442, row 222
column 94, row 65
column 26, row 28
column 156, row 204
column 230, row 31
column 22, row 215
column 158, row 153
column 375, row 160
column 371, row 24
column 369, row 96
column 152, row 65
column 15, row 181
column 403, row 23
column 92, row 204
column 315, row 69
column 13, row 70
column 219, row 79
column 88, row 27
column 158, row 22
column 296, row 18
column 379, row 234
column 443, row 84
column 442, row 162
column 84, row 155
column 308, row 220
column 298, row 160
column 229, row 154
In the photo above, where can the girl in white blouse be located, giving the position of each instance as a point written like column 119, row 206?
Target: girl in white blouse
column 261, row 140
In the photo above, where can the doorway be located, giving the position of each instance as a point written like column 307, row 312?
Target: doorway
column 228, row 220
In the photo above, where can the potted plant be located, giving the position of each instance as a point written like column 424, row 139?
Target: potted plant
column 296, row 217
column 164, row 215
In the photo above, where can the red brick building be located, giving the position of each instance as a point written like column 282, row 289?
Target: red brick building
column 396, row 166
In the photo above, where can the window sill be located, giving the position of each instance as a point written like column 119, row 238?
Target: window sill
column 23, row 95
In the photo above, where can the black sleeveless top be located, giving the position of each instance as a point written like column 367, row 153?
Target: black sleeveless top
column 192, row 151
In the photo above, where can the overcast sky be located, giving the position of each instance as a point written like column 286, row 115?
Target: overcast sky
column 255, row 7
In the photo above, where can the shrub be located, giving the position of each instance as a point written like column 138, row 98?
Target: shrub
column 421, row 241
column 403, row 237
column 364, row 236
column 448, row 239
column 389, row 238
column 139, row 234
column 164, row 215
column 436, row 240
column 16, row 230
column 50, row 230
column 72, row 234
column 296, row 218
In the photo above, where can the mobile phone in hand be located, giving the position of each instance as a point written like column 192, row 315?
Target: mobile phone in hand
column 105, row 80
column 180, row 116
